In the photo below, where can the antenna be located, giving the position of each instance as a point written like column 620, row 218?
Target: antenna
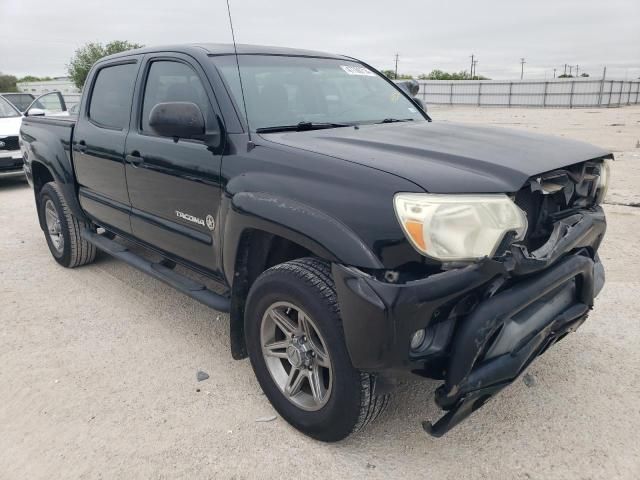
column 235, row 49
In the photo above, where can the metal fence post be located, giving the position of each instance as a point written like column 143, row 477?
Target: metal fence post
column 573, row 84
column 600, row 93
column 544, row 98
column 637, row 91
column 629, row 94
column 620, row 93
column 510, row 88
column 610, row 92
column 479, row 92
column 451, row 94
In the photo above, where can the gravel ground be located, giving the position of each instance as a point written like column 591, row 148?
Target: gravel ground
column 98, row 368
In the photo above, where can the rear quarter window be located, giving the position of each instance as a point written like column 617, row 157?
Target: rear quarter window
column 111, row 96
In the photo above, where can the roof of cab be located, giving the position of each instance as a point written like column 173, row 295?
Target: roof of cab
column 227, row 49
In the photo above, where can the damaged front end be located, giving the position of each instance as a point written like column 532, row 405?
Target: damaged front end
column 482, row 324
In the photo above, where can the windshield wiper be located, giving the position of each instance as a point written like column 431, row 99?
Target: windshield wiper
column 302, row 126
column 394, row 120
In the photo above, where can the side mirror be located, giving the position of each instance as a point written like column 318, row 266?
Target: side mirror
column 419, row 103
column 177, row 120
column 35, row 112
column 412, row 87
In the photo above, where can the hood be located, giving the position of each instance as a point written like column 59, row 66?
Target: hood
column 446, row 157
column 10, row 126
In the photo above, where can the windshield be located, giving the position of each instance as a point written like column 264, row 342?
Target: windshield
column 285, row 90
column 7, row 110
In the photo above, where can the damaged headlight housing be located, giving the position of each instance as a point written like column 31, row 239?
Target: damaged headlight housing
column 603, row 181
column 458, row 227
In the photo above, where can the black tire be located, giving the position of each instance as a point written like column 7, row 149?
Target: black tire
column 75, row 250
column 352, row 403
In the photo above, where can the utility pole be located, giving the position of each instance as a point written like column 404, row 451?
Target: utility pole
column 604, row 73
column 554, row 73
column 570, row 70
column 522, row 62
column 471, row 69
column 475, row 72
column 577, row 70
column 396, row 74
column 565, row 69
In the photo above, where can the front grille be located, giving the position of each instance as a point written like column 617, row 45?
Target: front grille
column 551, row 196
column 9, row 143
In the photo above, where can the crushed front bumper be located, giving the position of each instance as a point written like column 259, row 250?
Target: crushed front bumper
column 485, row 322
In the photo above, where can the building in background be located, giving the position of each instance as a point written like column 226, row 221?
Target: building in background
column 63, row 85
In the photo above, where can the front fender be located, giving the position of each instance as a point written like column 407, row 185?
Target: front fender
column 315, row 230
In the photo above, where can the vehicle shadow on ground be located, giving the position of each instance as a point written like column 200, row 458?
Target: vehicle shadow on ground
column 13, row 183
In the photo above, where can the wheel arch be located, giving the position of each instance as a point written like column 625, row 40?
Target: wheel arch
column 258, row 250
column 262, row 230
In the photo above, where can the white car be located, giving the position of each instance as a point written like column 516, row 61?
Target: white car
column 10, row 155
column 49, row 104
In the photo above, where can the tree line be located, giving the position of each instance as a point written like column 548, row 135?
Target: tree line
column 435, row 75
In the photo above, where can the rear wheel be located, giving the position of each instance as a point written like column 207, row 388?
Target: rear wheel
column 63, row 230
column 296, row 345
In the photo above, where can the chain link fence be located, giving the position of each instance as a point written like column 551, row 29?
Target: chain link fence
column 556, row 93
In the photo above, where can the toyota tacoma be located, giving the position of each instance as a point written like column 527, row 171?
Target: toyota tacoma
column 351, row 239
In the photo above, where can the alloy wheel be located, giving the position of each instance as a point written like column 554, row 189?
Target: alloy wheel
column 296, row 356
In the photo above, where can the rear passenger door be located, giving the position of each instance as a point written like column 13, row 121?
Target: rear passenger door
column 99, row 140
column 174, row 186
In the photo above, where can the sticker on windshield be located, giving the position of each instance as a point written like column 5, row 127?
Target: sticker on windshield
column 355, row 70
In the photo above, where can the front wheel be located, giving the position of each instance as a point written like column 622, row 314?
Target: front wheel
column 296, row 345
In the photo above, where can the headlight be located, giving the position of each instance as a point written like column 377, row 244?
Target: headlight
column 603, row 181
column 458, row 227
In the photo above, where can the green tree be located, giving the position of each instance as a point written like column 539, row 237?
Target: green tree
column 32, row 78
column 392, row 75
column 8, row 83
column 584, row 74
column 84, row 58
column 441, row 75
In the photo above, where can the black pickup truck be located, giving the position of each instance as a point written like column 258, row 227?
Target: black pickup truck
column 351, row 239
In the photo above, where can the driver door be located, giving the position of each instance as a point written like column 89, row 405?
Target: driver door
column 174, row 186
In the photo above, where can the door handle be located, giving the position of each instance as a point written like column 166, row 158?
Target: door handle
column 134, row 158
column 82, row 146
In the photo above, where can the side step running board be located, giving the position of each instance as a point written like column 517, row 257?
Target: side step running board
column 160, row 271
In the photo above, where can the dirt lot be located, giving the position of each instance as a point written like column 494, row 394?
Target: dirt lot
column 98, row 368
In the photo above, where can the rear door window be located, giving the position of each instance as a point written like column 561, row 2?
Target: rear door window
column 111, row 97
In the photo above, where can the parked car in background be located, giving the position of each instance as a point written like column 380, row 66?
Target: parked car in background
column 20, row 100
column 50, row 104
column 10, row 155
column 73, row 109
